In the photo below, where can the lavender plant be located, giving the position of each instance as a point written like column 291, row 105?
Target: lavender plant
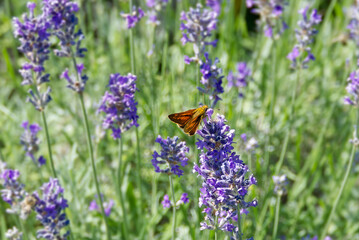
column 279, row 182
column 225, row 182
column 13, row 234
column 270, row 12
column 134, row 17
column 239, row 79
column 211, row 79
column 153, row 9
column 351, row 89
column 302, row 53
column 33, row 34
column 107, row 206
column 197, row 26
column 50, row 208
column 168, row 161
column 31, row 143
column 215, row 5
column 119, row 104
column 353, row 25
column 61, row 15
column 304, row 37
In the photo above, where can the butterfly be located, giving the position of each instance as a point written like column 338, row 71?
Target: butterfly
column 190, row 119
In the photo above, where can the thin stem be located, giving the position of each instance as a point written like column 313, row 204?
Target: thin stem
column 22, row 227
column 271, row 108
column 174, row 209
column 119, row 181
column 131, row 46
column 133, row 70
column 239, row 222
column 345, row 179
column 216, row 230
column 291, row 117
column 48, row 143
column 276, row 219
column 250, row 161
column 138, row 165
column 90, row 148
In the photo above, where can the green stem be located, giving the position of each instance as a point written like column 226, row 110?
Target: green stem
column 276, row 219
column 174, row 209
column 216, row 230
column 345, row 179
column 131, row 46
column 90, row 148
column 239, row 223
column 271, row 108
column 138, row 165
column 22, row 228
column 119, row 181
column 291, row 117
column 48, row 143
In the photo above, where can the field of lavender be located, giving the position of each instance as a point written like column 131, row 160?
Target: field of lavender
column 87, row 150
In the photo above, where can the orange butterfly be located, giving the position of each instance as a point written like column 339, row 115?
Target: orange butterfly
column 190, row 119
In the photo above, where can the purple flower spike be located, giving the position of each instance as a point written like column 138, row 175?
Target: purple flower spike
column 154, row 8
column 270, row 16
column 225, row 182
column 211, row 80
column 73, row 83
column 173, row 154
column 353, row 88
column 119, row 104
column 240, row 79
column 31, row 143
column 166, row 203
column 354, row 23
column 280, row 183
column 61, row 15
column 33, row 33
column 134, row 17
column 302, row 53
column 197, row 26
column 106, row 205
column 215, row 5
column 13, row 192
column 50, row 208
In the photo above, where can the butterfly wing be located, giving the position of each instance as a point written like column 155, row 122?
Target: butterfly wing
column 192, row 126
column 182, row 118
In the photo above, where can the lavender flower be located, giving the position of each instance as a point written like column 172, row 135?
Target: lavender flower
column 31, row 143
column 225, row 184
column 73, row 83
column 270, row 12
column 62, row 16
column 215, row 5
column 211, row 79
column 13, row 234
column 154, row 7
column 197, row 26
column 106, row 205
column 353, row 88
column 354, row 23
column 166, row 203
column 240, row 79
column 119, row 104
column 173, row 154
column 133, row 18
column 34, row 38
column 280, row 182
column 248, row 145
column 13, row 191
column 50, row 209
column 305, row 36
